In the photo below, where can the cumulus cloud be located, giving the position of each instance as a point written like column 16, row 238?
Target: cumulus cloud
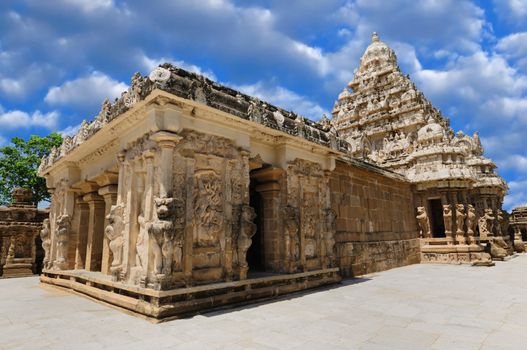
column 514, row 47
column 16, row 119
column 517, row 195
column 70, row 130
column 512, row 11
column 86, row 91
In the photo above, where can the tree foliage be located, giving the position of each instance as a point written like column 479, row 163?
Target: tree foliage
column 19, row 163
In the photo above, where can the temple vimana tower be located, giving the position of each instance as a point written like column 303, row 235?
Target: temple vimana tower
column 184, row 194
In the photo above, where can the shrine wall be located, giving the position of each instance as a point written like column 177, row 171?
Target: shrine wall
column 376, row 226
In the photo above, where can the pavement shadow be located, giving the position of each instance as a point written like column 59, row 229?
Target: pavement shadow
column 290, row 296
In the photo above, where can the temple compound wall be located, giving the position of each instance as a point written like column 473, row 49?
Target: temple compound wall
column 184, row 195
column 21, row 252
column 376, row 229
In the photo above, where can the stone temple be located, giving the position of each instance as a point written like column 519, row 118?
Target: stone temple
column 184, row 194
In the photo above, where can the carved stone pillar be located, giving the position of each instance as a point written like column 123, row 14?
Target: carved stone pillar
column 167, row 142
column 272, row 230
column 95, row 231
column 82, row 213
column 109, row 194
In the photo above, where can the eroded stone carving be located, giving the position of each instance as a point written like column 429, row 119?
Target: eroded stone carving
column 470, row 223
column 247, row 231
column 161, row 231
column 45, row 235
column 292, row 227
column 486, row 223
column 447, row 217
column 208, row 207
column 62, row 236
column 331, row 229
column 460, row 222
column 424, row 223
column 141, row 245
column 114, row 232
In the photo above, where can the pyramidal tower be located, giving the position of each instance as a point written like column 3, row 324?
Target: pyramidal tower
column 390, row 123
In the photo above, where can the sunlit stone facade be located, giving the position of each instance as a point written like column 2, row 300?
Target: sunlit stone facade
column 184, row 194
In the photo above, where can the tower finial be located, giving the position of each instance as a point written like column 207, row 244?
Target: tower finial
column 374, row 37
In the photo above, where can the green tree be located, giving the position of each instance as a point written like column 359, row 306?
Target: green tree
column 19, row 163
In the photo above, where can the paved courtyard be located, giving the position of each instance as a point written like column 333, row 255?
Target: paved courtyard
column 414, row 307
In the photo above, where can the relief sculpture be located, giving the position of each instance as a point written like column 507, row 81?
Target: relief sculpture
column 331, row 229
column 447, row 217
column 247, row 231
column 61, row 236
column 45, row 235
column 424, row 223
column 114, row 232
column 292, row 225
column 470, row 222
column 460, row 222
column 208, row 208
column 162, row 233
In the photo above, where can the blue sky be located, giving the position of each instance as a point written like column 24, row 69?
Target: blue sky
column 60, row 58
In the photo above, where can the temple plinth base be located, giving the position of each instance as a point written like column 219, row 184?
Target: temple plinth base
column 438, row 252
column 17, row 270
column 162, row 305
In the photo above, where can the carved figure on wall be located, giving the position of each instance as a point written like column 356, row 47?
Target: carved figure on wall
column 141, row 246
column 470, row 222
column 460, row 222
column 485, row 224
column 247, row 231
column 447, row 217
column 179, row 227
column 11, row 250
column 292, row 225
column 61, row 235
column 114, row 232
column 331, row 229
column 424, row 223
column 162, row 233
column 209, row 208
column 519, row 245
column 45, row 235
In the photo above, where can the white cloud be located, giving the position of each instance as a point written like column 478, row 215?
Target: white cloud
column 517, row 194
column 70, row 130
column 514, row 47
column 87, row 91
column 284, row 98
column 91, row 5
column 16, row 119
column 150, row 63
column 512, row 11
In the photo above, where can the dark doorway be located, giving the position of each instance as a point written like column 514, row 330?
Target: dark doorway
column 436, row 216
column 39, row 256
column 255, row 254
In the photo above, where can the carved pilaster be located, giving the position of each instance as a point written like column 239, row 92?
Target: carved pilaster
column 109, row 194
column 95, row 231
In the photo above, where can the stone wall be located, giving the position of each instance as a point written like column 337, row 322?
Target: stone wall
column 376, row 227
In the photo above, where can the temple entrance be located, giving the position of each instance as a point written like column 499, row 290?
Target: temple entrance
column 255, row 254
column 436, row 218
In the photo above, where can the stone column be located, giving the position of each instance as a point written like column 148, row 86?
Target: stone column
column 109, row 194
column 95, row 231
column 272, row 230
column 167, row 142
column 82, row 212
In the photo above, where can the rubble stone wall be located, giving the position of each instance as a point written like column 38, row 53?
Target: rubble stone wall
column 376, row 227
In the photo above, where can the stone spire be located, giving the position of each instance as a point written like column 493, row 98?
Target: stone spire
column 389, row 122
